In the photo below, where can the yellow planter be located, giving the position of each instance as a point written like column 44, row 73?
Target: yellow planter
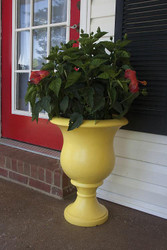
column 87, row 157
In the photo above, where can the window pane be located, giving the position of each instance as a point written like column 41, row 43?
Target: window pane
column 23, row 50
column 21, row 87
column 39, row 47
column 23, row 16
column 59, row 11
column 40, row 12
column 58, row 35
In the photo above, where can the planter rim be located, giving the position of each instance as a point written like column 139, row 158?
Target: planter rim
column 61, row 121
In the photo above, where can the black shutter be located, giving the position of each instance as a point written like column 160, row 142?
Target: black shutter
column 145, row 22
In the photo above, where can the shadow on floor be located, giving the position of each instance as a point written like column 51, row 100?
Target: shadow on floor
column 31, row 220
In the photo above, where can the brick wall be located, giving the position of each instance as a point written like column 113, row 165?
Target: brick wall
column 34, row 171
column 0, row 69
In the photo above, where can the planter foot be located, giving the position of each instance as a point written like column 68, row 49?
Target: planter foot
column 82, row 220
column 86, row 211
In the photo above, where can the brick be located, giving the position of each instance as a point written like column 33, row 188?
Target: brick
column 58, row 192
column 20, row 167
column 34, row 171
column 57, row 164
column 39, row 185
column 4, row 172
column 18, row 177
column 41, row 174
column 27, row 169
column 2, row 161
column 57, row 179
column 8, row 163
column 48, row 176
column 14, row 165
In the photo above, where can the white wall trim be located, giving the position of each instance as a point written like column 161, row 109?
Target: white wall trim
column 135, row 135
column 132, row 203
column 139, row 178
column 85, row 15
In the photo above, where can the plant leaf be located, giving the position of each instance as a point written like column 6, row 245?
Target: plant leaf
column 118, row 107
column 36, row 110
column 30, row 89
column 123, row 43
column 120, row 84
column 125, row 67
column 99, row 103
column 96, row 63
column 66, row 58
column 88, row 94
column 55, row 85
column 104, row 75
column 64, row 104
column 108, row 45
column 100, row 34
column 112, row 94
column 99, row 89
column 76, row 120
column 45, row 104
column 48, row 66
column 72, row 78
column 122, row 53
column 33, row 98
column 78, row 63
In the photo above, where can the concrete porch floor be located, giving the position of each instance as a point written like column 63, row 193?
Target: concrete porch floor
column 31, row 220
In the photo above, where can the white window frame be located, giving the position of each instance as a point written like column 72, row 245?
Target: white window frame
column 14, row 47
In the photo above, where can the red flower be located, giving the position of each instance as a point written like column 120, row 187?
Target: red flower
column 76, row 69
column 134, row 83
column 37, row 76
column 130, row 73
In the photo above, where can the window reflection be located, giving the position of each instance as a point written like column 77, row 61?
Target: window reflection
column 40, row 12
column 58, row 35
column 21, row 87
column 23, row 9
column 59, row 11
column 27, row 59
column 39, row 47
column 23, row 50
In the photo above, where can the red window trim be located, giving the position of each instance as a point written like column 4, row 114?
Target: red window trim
column 19, row 127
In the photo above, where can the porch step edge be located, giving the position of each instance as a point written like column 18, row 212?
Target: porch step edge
column 30, row 148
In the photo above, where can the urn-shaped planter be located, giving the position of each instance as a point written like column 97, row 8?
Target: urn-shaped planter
column 87, row 158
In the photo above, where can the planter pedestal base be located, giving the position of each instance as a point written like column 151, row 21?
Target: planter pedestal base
column 87, row 157
column 86, row 211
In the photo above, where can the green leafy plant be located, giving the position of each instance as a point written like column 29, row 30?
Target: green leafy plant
column 91, row 82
